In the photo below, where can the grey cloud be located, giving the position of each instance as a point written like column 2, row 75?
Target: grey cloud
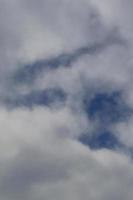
column 71, row 45
column 40, row 164
column 28, row 73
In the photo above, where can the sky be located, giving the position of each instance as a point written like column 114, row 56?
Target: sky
column 66, row 99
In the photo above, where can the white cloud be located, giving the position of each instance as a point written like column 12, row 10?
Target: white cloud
column 37, row 162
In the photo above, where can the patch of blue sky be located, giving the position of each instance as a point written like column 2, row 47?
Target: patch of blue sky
column 100, row 140
column 107, row 109
column 45, row 97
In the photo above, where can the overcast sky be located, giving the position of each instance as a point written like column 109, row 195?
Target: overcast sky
column 66, row 100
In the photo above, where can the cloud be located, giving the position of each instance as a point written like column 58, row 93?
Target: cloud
column 29, row 72
column 43, row 29
column 66, row 100
column 39, row 162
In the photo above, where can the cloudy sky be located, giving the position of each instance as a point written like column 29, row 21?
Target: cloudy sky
column 66, row 100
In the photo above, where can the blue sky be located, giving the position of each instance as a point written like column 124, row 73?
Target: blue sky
column 66, row 100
